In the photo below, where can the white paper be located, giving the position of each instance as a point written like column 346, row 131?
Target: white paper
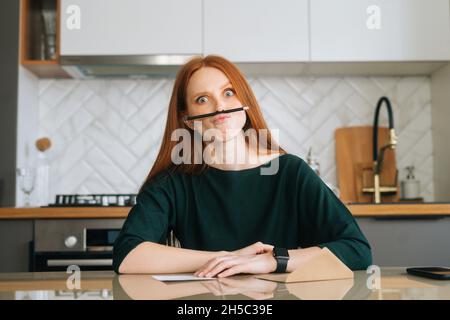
column 180, row 277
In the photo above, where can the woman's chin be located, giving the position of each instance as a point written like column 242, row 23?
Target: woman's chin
column 224, row 137
column 221, row 132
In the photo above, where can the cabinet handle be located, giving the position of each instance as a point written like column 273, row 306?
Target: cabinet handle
column 79, row 262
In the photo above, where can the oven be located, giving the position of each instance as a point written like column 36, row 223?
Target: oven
column 86, row 243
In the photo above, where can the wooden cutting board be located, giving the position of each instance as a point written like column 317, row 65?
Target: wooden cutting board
column 354, row 160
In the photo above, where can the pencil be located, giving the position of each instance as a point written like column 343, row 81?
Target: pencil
column 213, row 113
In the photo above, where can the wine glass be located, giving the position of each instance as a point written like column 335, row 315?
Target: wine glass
column 26, row 179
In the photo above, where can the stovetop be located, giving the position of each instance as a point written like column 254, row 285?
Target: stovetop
column 94, row 200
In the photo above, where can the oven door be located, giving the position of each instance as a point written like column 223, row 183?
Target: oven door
column 59, row 261
column 86, row 243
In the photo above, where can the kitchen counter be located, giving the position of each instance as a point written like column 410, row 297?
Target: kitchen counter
column 399, row 209
column 357, row 209
column 396, row 284
column 64, row 213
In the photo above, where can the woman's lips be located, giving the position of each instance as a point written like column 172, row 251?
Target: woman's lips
column 221, row 118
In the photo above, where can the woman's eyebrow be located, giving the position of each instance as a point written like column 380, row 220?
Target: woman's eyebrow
column 205, row 92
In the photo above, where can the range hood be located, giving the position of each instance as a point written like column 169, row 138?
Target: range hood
column 122, row 65
column 143, row 66
column 146, row 66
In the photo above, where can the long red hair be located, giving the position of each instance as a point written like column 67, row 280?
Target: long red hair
column 177, row 108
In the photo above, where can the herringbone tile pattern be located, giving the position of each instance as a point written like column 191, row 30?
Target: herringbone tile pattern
column 106, row 133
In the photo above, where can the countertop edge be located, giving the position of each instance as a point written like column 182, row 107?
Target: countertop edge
column 64, row 213
column 357, row 210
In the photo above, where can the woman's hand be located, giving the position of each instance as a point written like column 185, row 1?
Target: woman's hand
column 233, row 264
column 256, row 248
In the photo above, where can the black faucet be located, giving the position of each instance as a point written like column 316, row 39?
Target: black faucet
column 378, row 159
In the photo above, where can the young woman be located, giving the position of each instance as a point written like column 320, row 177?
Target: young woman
column 230, row 216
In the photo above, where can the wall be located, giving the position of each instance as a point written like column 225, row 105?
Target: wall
column 441, row 131
column 9, row 35
column 28, row 122
column 106, row 133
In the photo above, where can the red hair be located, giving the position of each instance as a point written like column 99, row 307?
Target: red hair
column 178, row 107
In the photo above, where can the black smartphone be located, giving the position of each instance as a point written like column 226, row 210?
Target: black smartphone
column 439, row 273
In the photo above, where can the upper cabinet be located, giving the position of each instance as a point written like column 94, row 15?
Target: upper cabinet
column 380, row 30
column 147, row 37
column 257, row 30
column 40, row 38
column 132, row 27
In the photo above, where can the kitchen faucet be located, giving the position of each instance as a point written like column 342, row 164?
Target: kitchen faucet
column 378, row 158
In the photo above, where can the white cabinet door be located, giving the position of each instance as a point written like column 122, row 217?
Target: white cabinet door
column 380, row 30
column 257, row 30
column 131, row 27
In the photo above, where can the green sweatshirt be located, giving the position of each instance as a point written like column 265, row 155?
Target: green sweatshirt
column 228, row 210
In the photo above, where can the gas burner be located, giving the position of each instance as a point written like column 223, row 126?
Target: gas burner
column 94, row 200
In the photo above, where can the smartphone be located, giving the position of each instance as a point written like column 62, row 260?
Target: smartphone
column 439, row 273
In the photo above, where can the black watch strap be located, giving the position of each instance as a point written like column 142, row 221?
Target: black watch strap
column 281, row 255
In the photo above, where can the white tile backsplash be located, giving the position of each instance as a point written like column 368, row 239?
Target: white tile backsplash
column 106, row 133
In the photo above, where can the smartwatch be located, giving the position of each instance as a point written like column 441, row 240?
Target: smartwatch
column 281, row 255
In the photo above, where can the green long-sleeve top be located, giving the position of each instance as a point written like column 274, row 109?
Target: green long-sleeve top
column 228, row 210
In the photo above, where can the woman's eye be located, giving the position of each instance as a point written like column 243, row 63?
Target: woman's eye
column 202, row 100
column 229, row 92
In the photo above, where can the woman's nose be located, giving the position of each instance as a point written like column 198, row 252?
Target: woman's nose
column 220, row 103
column 219, row 106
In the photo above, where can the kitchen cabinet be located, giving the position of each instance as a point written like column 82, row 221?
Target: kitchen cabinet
column 109, row 33
column 39, row 38
column 15, row 238
column 380, row 30
column 257, row 30
column 134, row 27
column 412, row 241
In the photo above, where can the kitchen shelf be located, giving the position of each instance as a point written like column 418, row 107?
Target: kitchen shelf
column 358, row 210
column 30, row 40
